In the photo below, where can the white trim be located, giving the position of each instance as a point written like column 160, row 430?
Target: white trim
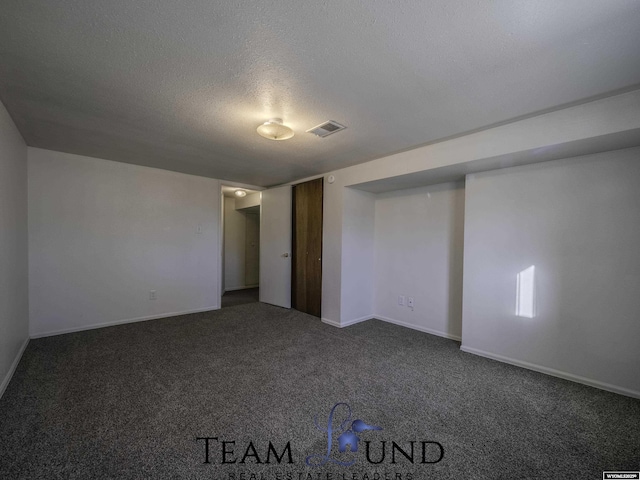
column 556, row 373
column 336, row 324
column 233, row 289
column 419, row 328
column 333, row 323
column 12, row 368
column 120, row 322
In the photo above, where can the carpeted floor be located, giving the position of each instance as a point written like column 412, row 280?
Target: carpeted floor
column 240, row 297
column 129, row 402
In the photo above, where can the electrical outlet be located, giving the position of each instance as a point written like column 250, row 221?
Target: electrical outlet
column 410, row 302
column 152, row 295
column 401, row 300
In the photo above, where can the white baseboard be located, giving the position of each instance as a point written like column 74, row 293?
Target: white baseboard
column 12, row 369
column 553, row 372
column 419, row 328
column 334, row 323
column 246, row 287
column 121, row 322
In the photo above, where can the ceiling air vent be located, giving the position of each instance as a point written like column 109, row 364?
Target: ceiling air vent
column 326, row 128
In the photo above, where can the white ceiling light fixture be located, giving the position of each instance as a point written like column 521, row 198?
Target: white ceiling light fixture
column 240, row 193
column 273, row 129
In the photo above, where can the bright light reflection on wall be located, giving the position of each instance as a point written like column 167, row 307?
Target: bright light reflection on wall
column 525, row 293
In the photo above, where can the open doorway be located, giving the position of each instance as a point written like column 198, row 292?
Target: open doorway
column 240, row 246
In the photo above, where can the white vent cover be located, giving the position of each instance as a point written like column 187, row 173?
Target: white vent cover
column 326, row 128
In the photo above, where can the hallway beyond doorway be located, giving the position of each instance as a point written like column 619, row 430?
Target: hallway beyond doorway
column 240, row 297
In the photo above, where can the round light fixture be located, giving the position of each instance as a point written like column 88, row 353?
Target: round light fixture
column 240, row 193
column 275, row 130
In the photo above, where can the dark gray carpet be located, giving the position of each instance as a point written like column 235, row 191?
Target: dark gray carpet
column 129, row 401
column 240, row 297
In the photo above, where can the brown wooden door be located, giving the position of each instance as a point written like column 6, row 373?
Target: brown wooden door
column 306, row 275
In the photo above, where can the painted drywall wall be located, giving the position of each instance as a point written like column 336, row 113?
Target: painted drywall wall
column 222, row 246
column 251, row 200
column 234, row 245
column 240, row 270
column 332, row 206
column 14, row 303
column 587, row 127
column 419, row 238
column 578, row 222
column 358, row 240
column 103, row 234
column 252, row 248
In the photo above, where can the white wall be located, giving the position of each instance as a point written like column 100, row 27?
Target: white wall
column 222, row 245
column 579, row 128
column 252, row 248
column 248, row 201
column 332, row 206
column 234, row 245
column 103, row 234
column 358, row 257
column 14, row 305
column 602, row 125
column 578, row 222
column 418, row 253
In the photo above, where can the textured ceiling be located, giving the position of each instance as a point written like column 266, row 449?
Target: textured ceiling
column 183, row 85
